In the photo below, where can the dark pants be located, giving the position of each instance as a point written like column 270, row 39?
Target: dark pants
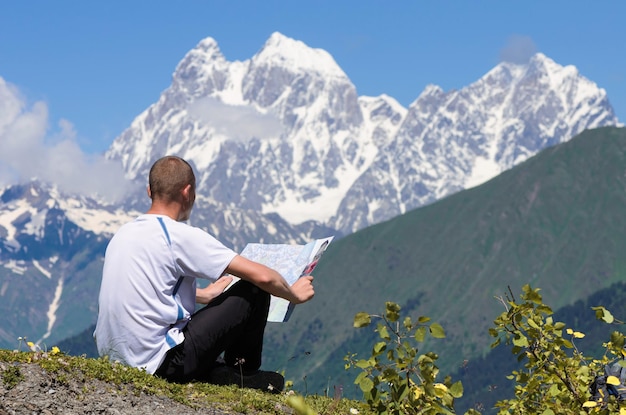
column 233, row 324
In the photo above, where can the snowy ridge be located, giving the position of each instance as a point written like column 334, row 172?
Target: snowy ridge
column 455, row 140
column 285, row 132
column 26, row 213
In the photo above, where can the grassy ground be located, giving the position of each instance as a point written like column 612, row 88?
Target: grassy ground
column 62, row 370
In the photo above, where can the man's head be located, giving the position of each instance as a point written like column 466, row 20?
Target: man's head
column 172, row 180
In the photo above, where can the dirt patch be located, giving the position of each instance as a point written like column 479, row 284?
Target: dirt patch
column 27, row 388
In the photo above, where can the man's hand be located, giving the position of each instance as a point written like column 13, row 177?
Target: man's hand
column 302, row 289
column 205, row 295
column 271, row 281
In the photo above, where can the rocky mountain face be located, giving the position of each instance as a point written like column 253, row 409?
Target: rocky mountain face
column 456, row 140
column 51, row 250
column 285, row 150
column 285, row 132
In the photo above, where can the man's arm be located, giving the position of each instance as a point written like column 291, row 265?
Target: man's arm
column 271, row 281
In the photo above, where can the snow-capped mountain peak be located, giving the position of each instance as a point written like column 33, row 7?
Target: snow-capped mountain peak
column 200, row 62
column 210, row 47
column 431, row 90
column 313, row 150
column 282, row 51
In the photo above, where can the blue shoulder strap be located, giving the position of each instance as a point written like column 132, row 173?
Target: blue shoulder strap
column 170, row 341
column 167, row 235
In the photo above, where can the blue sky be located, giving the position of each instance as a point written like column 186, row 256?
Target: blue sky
column 99, row 64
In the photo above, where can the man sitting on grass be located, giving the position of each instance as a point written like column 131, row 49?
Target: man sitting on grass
column 148, row 294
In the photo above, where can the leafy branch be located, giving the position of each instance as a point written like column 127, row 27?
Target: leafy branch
column 396, row 379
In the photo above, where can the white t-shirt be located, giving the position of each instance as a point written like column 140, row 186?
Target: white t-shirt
column 148, row 289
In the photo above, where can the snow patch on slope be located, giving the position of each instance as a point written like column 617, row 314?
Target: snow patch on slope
column 52, row 310
column 42, row 269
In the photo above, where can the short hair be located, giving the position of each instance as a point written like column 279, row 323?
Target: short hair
column 168, row 176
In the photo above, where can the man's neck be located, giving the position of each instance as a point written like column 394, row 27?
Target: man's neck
column 171, row 210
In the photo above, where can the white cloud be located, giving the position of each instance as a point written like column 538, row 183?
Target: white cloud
column 28, row 150
column 237, row 122
column 519, row 49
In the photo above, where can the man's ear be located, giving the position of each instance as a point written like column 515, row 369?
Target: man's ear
column 187, row 193
column 149, row 192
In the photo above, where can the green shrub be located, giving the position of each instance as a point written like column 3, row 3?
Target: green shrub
column 556, row 376
column 396, row 379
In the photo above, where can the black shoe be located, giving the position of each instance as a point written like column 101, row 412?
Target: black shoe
column 262, row 380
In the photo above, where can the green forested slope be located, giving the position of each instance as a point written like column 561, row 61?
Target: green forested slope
column 555, row 221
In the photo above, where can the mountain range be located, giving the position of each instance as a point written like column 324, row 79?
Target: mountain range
column 285, row 150
column 286, row 133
